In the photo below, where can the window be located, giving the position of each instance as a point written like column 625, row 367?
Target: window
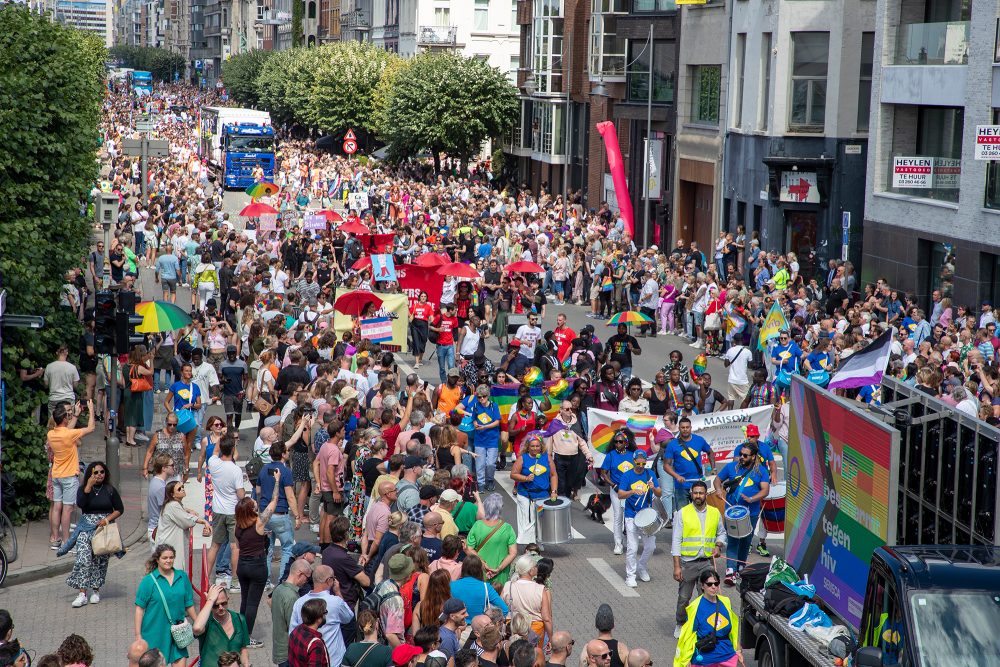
column 993, row 176
column 515, row 64
column 707, row 81
column 513, row 15
column 810, row 53
column 865, row 80
column 739, row 66
column 654, row 6
column 260, row 12
column 763, row 111
column 442, row 17
column 926, row 163
column 547, row 127
column 481, row 17
column 607, row 49
column 663, row 71
column 547, row 36
column 312, row 10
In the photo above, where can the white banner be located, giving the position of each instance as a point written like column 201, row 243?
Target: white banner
column 357, row 201
column 654, row 172
column 722, row 430
column 912, row 172
column 988, row 142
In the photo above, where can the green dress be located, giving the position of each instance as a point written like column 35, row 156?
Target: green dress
column 214, row 642
column 156, row 621
column 495, row 550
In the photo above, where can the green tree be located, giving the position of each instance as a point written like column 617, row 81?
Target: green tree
column 271, row 83
column 448, row 104
column 161, row 63
column 240, row 73
column 344, row 81
column 51, row 90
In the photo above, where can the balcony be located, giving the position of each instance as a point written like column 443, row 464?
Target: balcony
column 438, row 36
column 933, row 44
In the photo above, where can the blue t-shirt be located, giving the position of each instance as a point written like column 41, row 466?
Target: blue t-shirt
column 765, row 456
column 266, row 482
column 168, row 266
column 184, row 393
column 449, row 641
column 642, row 481
column 708, row 616
column 541, row 486
column 617, row 463
column 750, row 486
column 786, row 357
column 820, row 361
column 868, row 393
column 685, row 457
column 488, row 438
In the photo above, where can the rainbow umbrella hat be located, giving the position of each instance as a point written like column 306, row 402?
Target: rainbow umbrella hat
column 160, row 316
column 629, row 317
column 261, row 189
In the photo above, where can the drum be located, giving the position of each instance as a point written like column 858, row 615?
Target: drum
column 553, row 521
column 186, row 421
column 737, row 519
column 717, row 500
column 648, row 521
column 772, row 509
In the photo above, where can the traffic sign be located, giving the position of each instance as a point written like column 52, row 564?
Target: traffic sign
column 350, row 135
column 350, row 146
column 144, row 126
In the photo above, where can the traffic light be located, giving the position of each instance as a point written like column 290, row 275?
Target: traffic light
column 126, row 321
column 104, row 323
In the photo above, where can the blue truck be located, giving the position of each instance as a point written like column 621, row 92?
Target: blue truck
column 235, row 142
column 142, row 82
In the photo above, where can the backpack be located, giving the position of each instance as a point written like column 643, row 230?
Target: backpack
column 752, row 577
column 373, row 600
column 782, row 600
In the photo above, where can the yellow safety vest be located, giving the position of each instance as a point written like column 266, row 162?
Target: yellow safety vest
column 693, row 540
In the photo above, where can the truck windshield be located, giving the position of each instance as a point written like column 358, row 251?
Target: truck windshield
column 958, row 629
column 251, row 144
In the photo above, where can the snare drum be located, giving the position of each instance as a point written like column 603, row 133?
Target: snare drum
column 737, row 520
column 648, row 521
column 772, row 511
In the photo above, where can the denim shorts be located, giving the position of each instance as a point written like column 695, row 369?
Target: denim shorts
column 64, row 490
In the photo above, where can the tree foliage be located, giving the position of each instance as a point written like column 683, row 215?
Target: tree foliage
column 448, row 104
column 51, row 89
column 240, row 73
column 161, row 63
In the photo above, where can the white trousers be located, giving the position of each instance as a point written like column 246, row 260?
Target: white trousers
column 526, row 516
column 616, row 518
column 633, row 535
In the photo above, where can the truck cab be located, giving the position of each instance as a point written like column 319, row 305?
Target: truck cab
column 244, row 147
column 929, row 606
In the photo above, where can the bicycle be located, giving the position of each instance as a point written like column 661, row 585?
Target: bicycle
column 8, row 546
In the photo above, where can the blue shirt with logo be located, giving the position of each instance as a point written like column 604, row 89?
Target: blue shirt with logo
column 685, row 457
column 749, row 486
column 617, row 463
column 642, row 481
column 488, row 438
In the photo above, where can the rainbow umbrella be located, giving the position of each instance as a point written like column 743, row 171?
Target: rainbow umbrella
column 159, row 316
column 630, row 317
column 261, row 189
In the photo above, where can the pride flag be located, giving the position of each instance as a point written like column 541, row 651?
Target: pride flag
column 734, row 324
column 505, row 396
column 641, row 422
column 772, row 326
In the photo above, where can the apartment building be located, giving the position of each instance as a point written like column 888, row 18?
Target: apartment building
column 96, row 16
column 933, row 190
column 798, row 117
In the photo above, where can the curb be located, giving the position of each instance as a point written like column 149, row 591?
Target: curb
column 63, row 565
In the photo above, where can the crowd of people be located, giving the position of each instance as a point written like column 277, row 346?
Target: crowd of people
column 412, row 560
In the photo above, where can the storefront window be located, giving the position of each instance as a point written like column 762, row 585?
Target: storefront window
column 941, row 260
column 663, row 71
column 928, row 163
column 607, row 49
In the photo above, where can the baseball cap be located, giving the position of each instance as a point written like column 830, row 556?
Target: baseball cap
column 454, row 373
column 451, row 606
column 413, row 462
column 429, row 491
column 450, row 496
column 403, row 653
column 639, row 454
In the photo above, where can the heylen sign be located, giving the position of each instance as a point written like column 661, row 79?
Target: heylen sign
column 912, row 172
column 988, row 142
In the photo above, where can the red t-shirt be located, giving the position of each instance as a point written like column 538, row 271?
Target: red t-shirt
column 564, row 339
column 447, row 325
column 422, row 311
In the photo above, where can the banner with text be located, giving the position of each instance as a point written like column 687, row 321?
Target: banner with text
column 840, row 502
column 357, row 201
column 415, row 279
column 376, row 243
column 988, row 142
column 912, row 172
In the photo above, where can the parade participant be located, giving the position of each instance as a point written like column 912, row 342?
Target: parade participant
column 569, row 448
column 698, row 539
column 421, row 314
column 617, row 462
column 486, row 424
column 220, row 630
column 682, row 460
column 636, row 487
column 445, row 325
column 743, row 484
column 710, row 636
column 534, row 471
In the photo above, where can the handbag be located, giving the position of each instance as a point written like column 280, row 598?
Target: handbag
column 262, row 405
column 181, row 631
column 138, row 382
column 785, row 376
column 713, row 321
column 106, row 540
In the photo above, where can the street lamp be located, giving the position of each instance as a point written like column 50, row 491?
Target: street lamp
column 529, row 85
column 647, row 149
column 600, row 90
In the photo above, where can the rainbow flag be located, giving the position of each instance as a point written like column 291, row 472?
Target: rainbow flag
column 505, row 396
column 734, row 324
column 641, row 422
column 699, row 366
column 607, row 284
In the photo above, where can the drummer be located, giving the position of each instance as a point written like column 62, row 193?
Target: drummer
column 617, row 462
column 637, row 488
column 743, row 484
column 768, row 468
column 535, row 474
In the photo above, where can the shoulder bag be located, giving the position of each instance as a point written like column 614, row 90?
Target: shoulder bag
column 106, row 540
column 708, row 643
column 181, row 631
column 138, row 382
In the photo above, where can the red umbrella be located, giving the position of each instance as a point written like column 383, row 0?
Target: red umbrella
column 257, row 209
column 459, row 270
column 523, row 267
column 431, row 260
column 331, row 216
column 354, row 303
column 353, row 227
column 363, row 263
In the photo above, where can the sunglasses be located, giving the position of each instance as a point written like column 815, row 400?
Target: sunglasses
column 99, row 472
column 711, row 583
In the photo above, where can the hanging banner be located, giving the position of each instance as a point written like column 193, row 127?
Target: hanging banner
column 988, row 142
column 395, row 309
column 376, row 243
column 415, row 279
column 723, row 430
column 654, row 172
column 617, row 168
column 268, row 222
column 383, row 268
column 912, row 172
column 799, row 187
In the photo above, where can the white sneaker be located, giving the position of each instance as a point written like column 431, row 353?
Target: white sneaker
column 630, row 582
column 80, row 600
column 643, row 575
column 314, row 527
column 677, row 631
column 95, row 597
column 619, row 550
column 696, row 344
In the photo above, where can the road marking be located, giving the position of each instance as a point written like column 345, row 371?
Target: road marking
column 612, row 577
